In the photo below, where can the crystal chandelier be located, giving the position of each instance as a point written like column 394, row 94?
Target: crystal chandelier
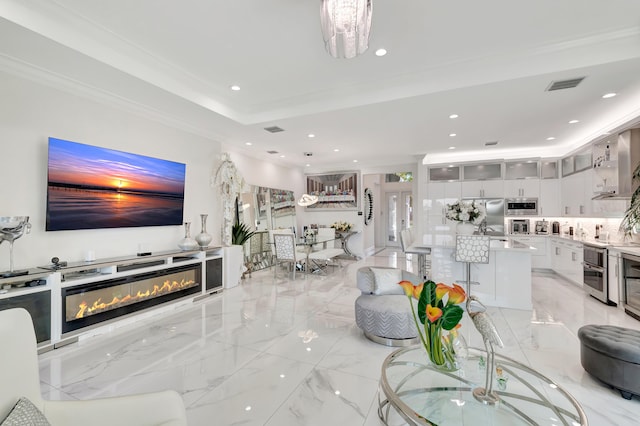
column 345, row 26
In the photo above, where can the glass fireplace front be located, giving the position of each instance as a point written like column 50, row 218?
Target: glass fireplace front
column 89, row 304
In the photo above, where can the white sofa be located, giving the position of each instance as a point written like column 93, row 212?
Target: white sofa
column 19, row 378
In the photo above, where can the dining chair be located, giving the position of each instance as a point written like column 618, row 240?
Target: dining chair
column 285, row 251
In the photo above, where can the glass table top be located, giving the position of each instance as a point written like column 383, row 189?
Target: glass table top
column 414, row 392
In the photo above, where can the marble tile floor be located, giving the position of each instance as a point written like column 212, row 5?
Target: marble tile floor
column 287, row 352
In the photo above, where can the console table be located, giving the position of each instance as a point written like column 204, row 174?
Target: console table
column 414, row 392
column 344, row 241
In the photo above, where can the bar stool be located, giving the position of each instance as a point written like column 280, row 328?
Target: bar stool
column 471, row 249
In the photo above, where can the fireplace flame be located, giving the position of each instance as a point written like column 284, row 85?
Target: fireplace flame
column 84, row 309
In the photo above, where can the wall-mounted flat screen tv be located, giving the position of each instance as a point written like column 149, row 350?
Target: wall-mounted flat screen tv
column 91, row 187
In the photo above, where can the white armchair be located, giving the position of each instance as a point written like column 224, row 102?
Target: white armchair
column 19, row 377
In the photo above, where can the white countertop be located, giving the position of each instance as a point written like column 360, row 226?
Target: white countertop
column 505, row 243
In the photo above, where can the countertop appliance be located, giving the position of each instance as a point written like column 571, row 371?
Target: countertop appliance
column 555, row 226
column 494, row 223
column 542, row 227
column 631, row 296
column 594, row 272
column 521, row 207
column 519, row 226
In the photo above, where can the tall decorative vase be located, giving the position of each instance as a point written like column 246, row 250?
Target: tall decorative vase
column 187, row 243
column 465, row 228
column 203, row 238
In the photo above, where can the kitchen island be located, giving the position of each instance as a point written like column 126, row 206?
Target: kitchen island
column 503, row 282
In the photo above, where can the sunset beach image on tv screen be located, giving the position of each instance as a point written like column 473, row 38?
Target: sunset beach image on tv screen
column 91, row 187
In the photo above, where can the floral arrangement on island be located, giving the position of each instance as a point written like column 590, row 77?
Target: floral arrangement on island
column 438, row 310
column 341, row 226
column 462, row 211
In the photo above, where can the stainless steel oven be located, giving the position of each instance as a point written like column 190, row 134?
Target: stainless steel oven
column 594, row 272
column 521, row 207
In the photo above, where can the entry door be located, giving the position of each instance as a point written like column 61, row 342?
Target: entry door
column 399, row 216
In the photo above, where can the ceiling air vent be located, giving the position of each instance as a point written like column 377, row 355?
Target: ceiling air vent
column 564, row 84
column 491, row 143
column 272, row 152
column 274, row 129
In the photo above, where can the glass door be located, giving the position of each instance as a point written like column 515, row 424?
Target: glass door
column 399, row 216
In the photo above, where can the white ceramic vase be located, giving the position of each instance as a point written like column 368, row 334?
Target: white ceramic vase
column 465, row 228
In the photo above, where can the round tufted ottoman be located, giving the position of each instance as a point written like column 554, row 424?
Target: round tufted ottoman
column 386, row 319
column 612, row 354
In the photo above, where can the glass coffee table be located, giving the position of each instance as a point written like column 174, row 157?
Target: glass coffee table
column 414, row 392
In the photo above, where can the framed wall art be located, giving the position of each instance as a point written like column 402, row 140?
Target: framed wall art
column 335, row 191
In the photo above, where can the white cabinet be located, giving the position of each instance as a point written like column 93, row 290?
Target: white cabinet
column 566, row 259
column 576, row 194
column 614, row 277
column 540, row 258
column 522, row 188
column 483, row 189
column 549, row 199
column 438, row 196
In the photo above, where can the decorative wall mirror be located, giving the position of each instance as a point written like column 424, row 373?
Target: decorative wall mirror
column 263, row 209
column 368, row 206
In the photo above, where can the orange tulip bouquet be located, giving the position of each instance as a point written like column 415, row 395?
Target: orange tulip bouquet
column 438, row 310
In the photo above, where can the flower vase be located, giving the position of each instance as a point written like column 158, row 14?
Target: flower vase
column 444, row 350
column 203, row 238
column 187, row 243
column 465, row 228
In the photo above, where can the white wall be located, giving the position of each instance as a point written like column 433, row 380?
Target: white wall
column 30, row 113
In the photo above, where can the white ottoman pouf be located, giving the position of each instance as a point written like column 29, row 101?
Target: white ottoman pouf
column 382, row 310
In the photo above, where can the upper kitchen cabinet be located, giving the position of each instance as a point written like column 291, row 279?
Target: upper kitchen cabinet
column 522, row 188
column 521, row 179
column 482, row 181
column 548, row 169
column 482, row 171
column 549, row 199
column 483, row 189
column 577, row 162
column 444, row 174
column 524, row 169
column 576, row 192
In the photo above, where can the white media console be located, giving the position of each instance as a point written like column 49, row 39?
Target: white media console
column 69, row 300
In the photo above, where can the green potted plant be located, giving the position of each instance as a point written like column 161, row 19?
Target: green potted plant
column 631, row 219
column 240, row 233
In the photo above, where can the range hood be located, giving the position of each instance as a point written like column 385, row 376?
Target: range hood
column 628, row 145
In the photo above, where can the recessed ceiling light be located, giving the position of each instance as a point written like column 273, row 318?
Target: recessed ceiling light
column 452, row 147
column 282, row 156
column 355, row 161
column 307, row 165
column 451, row 165
column 608, row 95
column 551, row 138
column 454, row 116
column 336, row 150
column 452, row 135
column 381, row 52
column 248, row 143
column 311, row 135
column 574, row 121
column 235, row 87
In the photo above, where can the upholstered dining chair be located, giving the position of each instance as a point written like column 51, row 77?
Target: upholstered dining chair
column 285, row 251
column 21, row 402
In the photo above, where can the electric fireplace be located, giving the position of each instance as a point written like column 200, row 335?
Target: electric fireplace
column 93, row 303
